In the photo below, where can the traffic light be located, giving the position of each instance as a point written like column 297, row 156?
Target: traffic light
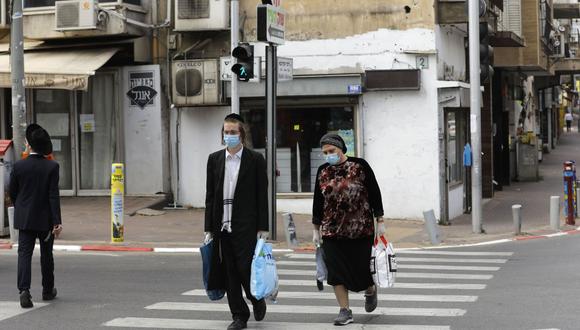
column 485, row 51
column 244, row 69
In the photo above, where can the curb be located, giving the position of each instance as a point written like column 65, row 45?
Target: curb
column 113, row 248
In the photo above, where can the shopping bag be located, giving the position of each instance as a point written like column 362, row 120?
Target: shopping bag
column 383, row 263
column 264, row 276
column 206, row 254
column 321, row 271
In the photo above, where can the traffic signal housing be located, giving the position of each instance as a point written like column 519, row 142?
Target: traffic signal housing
column 485, row 51
column 244, row 68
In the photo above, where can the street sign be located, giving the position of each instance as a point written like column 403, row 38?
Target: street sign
column 285, row 69
column 226, row 73
column 271, row 24
column 354, row 89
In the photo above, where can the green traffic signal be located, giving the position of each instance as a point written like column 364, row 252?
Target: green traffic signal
column 244, row 68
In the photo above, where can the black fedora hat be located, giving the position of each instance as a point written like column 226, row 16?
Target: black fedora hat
column 39, row 141
column 31, row 128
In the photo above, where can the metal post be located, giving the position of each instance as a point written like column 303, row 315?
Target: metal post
column 271, row 82
column 555, row 212
column 235, row 38
column 431, row 226
column 517, row 216
column 475, row 104
column 17, row 67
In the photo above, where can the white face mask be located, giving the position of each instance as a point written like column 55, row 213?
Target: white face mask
column 332, row 159
column 231, row 141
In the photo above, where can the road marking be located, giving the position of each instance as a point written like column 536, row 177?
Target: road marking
column 450, row 286
column 10, row 309
column 176, row 250
column 445, row 267
column 456, row 253
column 298, row 309
column 453, row 260
column 295, row 263
column 312, row 273
column 158, row 323
column 359, row 297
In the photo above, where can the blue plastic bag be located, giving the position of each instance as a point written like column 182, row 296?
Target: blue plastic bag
column 206, row 254
column 264, row 276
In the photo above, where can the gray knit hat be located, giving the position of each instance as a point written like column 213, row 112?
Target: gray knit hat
column 334, row 140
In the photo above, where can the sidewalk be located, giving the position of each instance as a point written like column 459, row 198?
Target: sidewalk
column 86, row 220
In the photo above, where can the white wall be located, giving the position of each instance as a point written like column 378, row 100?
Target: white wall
column 456, row 201
column 450, row 53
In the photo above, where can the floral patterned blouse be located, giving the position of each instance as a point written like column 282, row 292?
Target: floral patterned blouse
column 346, row 200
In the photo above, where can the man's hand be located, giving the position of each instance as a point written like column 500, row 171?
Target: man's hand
column 381, row 228
column 263, row 235
column 208, row 237
column 56, row 230
column 316, row 237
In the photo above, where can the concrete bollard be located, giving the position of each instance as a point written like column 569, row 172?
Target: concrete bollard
column 517, row 216
column 13, row 231
column 290, row 230
column 555, row 212
column 431, row 226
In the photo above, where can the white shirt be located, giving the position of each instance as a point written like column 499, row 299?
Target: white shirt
column 568, row 116
column 230, row 181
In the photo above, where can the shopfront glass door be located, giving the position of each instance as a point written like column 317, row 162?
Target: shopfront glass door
column 52, row 110
column 98, row 133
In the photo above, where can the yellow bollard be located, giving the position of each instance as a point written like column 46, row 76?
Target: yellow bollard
column 117, row 203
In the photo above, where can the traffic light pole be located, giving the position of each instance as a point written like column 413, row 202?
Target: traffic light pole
column 17, row 66
column 271, row 92
column 234, row 37
column 475, row 104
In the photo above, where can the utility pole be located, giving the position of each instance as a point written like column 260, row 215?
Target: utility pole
column 271, row 92
column 235, row 38
column 475, row 105
column 17, row 75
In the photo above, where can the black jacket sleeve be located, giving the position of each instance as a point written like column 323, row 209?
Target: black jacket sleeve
column 375, row 199
column 13, row 185
column 209, row 195
column 262, row 192
column 318, row 201
column 54, row 195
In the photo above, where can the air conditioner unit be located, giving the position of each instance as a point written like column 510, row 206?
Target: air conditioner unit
column 200, row 15
column 195, row 82
column 75, row 15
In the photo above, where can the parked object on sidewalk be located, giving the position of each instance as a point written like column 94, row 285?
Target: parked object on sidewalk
column 290, row 230
column 321, row 271
column 569, row 175
column 517, row 217
column 555, row 212
column 383, row 263
column 206, row 251
column 431, row 227
column 117, row 203
column 264, row 276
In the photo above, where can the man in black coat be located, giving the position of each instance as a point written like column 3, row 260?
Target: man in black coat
column 236, row 215
column 34, row 192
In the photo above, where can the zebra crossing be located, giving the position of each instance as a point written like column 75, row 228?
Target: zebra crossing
column 10, row 309
column 432, row 288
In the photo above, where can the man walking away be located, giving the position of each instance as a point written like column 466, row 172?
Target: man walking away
column 569, row 118
column 34, row 192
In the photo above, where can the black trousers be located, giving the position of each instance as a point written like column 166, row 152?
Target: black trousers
column 237, row 258
column 26, row 242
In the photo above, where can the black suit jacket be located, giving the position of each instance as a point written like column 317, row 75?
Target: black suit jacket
column 250, row 208
column 34, row 192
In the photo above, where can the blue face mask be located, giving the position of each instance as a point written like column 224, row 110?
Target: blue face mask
column 332, row 159
column 231, row 141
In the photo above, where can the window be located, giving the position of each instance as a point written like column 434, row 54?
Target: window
column 455, row 138
column 50, row 3
column 298, row 135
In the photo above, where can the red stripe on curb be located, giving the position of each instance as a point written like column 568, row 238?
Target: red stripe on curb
column 6, row 246
column 110, row 248
column 525, row 238
column 572, row 232
column 308, row 249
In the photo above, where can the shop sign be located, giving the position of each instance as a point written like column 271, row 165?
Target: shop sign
column 354, row 89
column 142, row 88
column 271, row 24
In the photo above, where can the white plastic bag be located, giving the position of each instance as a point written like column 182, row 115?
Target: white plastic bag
column 383, row 263
column 264, row 276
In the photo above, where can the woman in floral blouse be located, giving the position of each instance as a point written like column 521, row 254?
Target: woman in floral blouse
column 347, row 199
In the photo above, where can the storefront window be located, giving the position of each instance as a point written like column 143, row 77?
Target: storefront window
column 456, row 133
column 298, row 134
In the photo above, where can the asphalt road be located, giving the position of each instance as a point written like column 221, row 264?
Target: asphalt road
column 520, row 285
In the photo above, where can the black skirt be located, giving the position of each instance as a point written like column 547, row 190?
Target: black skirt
column 348, row 262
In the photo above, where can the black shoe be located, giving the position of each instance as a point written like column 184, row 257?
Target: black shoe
column 26, row 299
column 49, row 295
column 371, row 301
column 237, row 325
column 260, row 310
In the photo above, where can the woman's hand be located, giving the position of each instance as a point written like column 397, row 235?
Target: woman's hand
column 208, row 237
column 316, row 237
column 380, row 227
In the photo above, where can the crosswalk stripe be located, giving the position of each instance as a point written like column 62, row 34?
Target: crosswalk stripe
column 299, row 309
column 399, row 285
column 455, row 253
column 10, row 309
column 381, row 297
column 297, row 272
column 295, row 263
column 159, row 323
column 446, row 267
column 453, row 260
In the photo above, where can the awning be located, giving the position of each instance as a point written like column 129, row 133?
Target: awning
column 58, row 69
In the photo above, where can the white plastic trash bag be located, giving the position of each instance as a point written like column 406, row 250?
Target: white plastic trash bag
column 264, row 276
column 383, row 263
